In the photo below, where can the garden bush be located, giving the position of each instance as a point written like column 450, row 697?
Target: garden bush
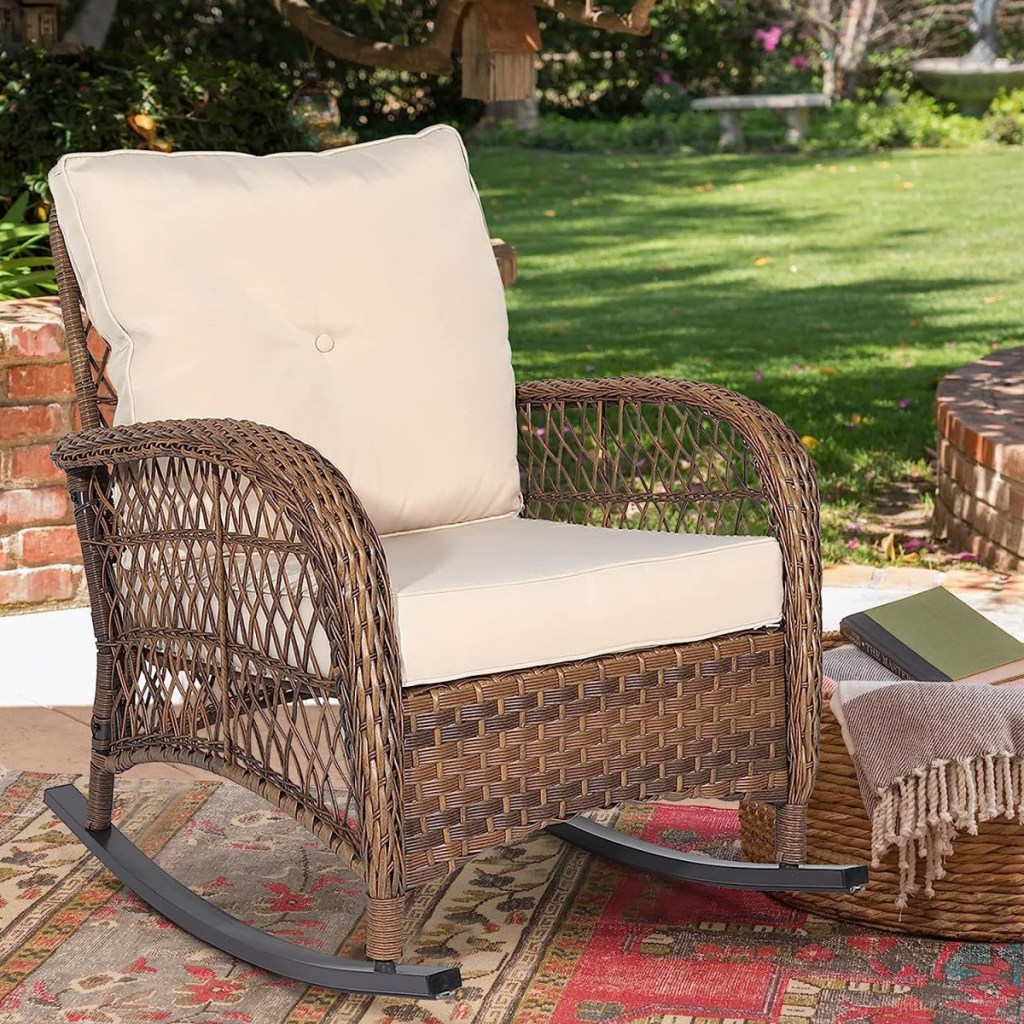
column 26, row 270
column 913, row 120
column 1006, row 118
column 53, row 104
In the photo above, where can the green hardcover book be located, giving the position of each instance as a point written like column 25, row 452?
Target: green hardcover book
column 934, row 636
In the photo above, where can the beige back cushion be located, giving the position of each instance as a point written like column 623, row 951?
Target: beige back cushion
column 349, row 298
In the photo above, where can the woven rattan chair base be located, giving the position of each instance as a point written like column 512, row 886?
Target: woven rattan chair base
column 489, row 760
column 981, row 897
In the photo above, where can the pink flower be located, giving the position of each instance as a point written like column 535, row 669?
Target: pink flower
column 769, row 38
column 799, row 62
column 853, row 544
column 916, row 545
column 664, row 78
column 758, row 375
column 904, row 403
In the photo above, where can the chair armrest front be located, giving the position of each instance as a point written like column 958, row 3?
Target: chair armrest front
column 683, row 455
column 247, row 555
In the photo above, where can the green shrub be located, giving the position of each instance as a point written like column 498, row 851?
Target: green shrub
column 652, row 133
column 913, row 121
column 26, row 269
column 1005, row 118
column 54, row 104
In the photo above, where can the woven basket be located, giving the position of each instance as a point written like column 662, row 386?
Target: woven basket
column 981, row 897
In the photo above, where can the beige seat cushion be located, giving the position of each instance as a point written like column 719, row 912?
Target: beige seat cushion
column 350, row 298
column 515, row 593
column 488, row 597
column 493, row 596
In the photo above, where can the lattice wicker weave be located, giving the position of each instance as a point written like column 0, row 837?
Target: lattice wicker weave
column 221, row 556
column 981, row 897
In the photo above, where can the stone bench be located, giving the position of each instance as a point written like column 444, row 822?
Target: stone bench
column 795, row 107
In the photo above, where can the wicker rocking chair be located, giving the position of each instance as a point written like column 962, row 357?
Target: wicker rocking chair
column 455, row 611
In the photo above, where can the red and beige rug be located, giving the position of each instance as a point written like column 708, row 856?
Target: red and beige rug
column 545, row 934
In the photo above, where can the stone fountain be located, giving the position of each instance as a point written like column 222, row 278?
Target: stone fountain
column 974, row 80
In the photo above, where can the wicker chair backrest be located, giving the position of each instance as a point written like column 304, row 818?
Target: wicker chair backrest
column 88, row 351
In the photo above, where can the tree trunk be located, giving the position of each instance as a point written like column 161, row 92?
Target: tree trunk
column 821, row 10
column 93, row 23
column 525, row 113
column 857, row 30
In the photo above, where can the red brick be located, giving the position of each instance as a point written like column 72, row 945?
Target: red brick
column 8, row 558
column 21, row 422
column 1008, row 459
column 33, row 506
column 34, row 586
column 961, row 536
column 96, row 344
column 988, row 524
column 34, row 381
column 41, row 341
column 31, row 463
column 50, row 545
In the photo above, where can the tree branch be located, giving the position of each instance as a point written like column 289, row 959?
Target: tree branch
column 807, row 16
column 434, row 54
column 92, row 23
column 636, row 23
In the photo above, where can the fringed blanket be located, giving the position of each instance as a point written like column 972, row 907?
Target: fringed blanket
column 933, row 760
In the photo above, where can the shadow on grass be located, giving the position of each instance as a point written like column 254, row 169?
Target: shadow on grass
column 867, row 410
column 837, row 299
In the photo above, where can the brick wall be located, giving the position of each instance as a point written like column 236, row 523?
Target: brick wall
column 979, row 506
column 40, row 559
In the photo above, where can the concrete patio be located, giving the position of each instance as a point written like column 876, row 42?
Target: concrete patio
column 46, row 685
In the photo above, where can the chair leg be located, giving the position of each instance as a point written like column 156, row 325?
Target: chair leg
column 101, row 795
column 384, row 928
column 210, row 924
column 791, row 834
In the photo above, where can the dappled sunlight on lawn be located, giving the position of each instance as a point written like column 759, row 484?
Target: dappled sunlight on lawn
column 836, row 290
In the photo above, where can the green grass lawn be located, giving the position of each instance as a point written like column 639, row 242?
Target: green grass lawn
column 836, row 291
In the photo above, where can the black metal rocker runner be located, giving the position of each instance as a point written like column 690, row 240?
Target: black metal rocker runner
column 200, row 918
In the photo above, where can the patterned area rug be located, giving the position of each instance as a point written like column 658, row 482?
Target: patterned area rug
column 545, row 934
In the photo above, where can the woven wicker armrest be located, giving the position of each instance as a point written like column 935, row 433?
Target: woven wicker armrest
column 172, row 514
column 281, row 491
column 694, row 457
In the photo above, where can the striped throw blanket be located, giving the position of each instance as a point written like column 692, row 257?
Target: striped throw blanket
column 932, row 759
